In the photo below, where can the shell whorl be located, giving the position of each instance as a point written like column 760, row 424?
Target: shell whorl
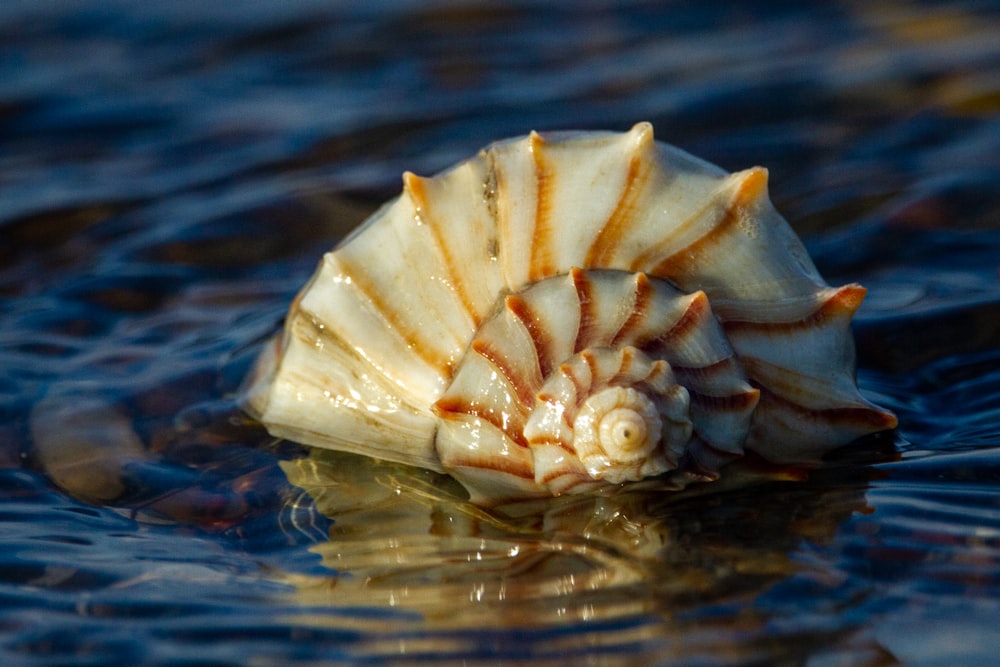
column 521, row 318
column 568, row 350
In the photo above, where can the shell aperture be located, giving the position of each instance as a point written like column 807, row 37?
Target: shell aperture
column 565, row 312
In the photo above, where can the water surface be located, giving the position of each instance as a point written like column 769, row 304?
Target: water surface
column 170, row 173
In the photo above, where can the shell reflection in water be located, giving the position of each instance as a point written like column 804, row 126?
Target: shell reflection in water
column 633, row 567
column 566, row 312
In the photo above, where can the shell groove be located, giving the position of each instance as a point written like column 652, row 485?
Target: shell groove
column 565, row 311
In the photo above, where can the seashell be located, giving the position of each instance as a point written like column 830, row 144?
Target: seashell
column 567, row 311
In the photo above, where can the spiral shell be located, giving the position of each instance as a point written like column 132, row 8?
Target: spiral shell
column 565, row 311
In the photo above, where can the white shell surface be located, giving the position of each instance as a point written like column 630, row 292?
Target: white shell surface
column 437, row 332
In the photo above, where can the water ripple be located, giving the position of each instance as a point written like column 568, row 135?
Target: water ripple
column 171, row 172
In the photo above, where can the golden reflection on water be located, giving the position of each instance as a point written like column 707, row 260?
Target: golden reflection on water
column 408, row 539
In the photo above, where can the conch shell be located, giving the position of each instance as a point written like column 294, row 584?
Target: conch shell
column 565, row 311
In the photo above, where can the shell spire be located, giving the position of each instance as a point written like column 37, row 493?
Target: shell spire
column 566, row 311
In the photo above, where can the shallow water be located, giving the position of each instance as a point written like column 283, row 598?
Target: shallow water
column 170, row 172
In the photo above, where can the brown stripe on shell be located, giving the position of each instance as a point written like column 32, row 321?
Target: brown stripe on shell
column 860, row 418
column 584, row 292
column 542, row 264
column 609, row 238
column 592, row 364
column 415, row 188
column 792, row 385
column 520, row 309
column 682, row 262
column 627, row 359
column 307, row 328
column 454, row 407
column 660, row 370
column 581, row 390
column 413, row 336
column 548, row 440
column 643, row 295
column 787, row 385
column 841, row 305
column 740, row 402
column 503, row 464
column 690, row 321
column 522, row 386
column 653, row 254
column 578, row 384
column 710, row 374
column 561, row 473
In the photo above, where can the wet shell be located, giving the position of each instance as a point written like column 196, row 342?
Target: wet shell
column 565, row 311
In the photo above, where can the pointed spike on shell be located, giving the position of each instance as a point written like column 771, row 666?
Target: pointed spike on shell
column 737, row 234
column 845, row 301
column 413, row 185
column 805, row 370
column 751, row 188
column 788, row 433
column 492, row 301
column 414, row 188
column 642, row 134
column 734, row 200
column 809, row 342
column 605, row 249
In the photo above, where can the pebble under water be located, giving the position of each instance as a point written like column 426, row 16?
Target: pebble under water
column 171, row 172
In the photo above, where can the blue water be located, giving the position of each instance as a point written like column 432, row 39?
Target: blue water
column 170, row 172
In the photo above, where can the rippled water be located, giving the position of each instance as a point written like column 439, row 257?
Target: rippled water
column 170, row 172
